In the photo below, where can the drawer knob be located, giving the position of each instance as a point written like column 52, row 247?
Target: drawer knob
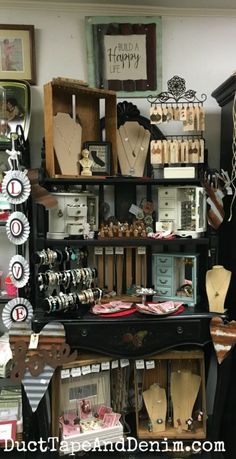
column 180, row 330
column 163, row 271
column 84, row 332
column 163, row 282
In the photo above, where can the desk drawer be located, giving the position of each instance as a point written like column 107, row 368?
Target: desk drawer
column 139, row 338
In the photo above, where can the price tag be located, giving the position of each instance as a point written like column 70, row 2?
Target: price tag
column 141, row 250
column 75, row 372
column 65, row 373
column 114, row 364
column 98, row 251
column 109, row 250
column 150, row 364
column 105, row 366
column 135, row 210
column 86, row 369
column 139, row 364
column 95, row 368
column 124, row 363
column 34, row 339
column 119, row 250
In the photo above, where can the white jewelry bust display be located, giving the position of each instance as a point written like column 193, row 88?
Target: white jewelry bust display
column 86, row 163
column 67, row 142
column 217, row 284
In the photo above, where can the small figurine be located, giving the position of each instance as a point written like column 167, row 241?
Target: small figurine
column 13, row 155
column 86, row 163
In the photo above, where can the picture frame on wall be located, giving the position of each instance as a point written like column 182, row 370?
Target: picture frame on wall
column 100, row 154
column 17, row 46
column 124, row 54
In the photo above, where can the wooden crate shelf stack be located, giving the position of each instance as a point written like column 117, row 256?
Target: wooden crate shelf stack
column 88, row 110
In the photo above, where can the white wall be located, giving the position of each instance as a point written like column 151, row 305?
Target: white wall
column 200, row 49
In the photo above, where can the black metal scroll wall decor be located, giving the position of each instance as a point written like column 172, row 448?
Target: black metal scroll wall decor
column 178, row 104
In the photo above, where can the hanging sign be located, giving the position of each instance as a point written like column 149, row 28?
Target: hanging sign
column 19, row 271
column 17, row 310
column 16, row 187
column 17, row 228
column 125, row 55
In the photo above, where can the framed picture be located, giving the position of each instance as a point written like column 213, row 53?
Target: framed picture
column 100, row 153
column 7, row 431
column 15, row 106
column 124, row 54
column 17, row 48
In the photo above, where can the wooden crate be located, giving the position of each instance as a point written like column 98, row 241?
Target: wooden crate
column 57, row 384
column 58, row 98
column 182, row 363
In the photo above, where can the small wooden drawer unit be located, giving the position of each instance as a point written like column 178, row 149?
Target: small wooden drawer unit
column 174, row 277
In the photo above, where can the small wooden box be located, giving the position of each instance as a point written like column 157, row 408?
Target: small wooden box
column 81, row 391
column 160, row 374
column 58, row 98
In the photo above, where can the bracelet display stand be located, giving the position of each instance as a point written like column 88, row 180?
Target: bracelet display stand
column 67, row 141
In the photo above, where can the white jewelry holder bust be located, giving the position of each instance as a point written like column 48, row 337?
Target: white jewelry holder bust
column 67, row 141
column 156, row 406
column 132, row 148
column 217, row 284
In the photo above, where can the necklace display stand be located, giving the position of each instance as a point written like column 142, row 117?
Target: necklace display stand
column 184, row 390
column 67, row 141
column 217, row 284
column 156, row 406
column 132, row 147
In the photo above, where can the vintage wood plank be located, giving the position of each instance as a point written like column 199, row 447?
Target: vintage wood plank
column 138, row 268
column 48, row 129
column 110, row 131
column 119, row 273
column 113, row 29
column 129, row 273
column 128, row 85
column 100, row 270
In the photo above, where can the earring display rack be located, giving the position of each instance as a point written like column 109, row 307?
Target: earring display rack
column 182, row 105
